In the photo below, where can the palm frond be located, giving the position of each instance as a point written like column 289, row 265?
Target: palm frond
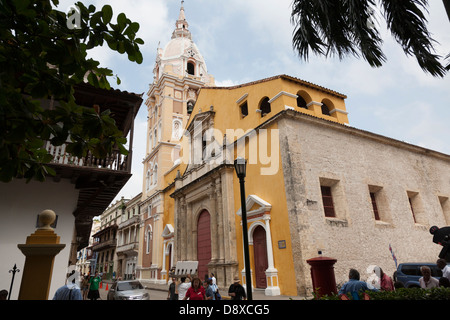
column 329, row 27
column 407, row 22
column 336, row 28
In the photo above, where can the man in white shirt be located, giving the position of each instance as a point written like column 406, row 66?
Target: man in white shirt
column 184, row 286
column 427, row 281
column 442, row 264
column 70, row 291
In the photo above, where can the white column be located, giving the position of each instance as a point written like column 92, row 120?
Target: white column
column 271, row 273
column 163, row 270
column 269, row 242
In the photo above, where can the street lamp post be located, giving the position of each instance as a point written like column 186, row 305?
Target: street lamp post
column 240, row 165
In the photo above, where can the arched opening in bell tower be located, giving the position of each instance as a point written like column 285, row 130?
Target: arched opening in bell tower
column 191, row 68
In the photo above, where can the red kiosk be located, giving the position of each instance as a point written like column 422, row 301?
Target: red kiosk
column 322, row 274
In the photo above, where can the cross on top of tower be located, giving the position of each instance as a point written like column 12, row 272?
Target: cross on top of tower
column 181, row 26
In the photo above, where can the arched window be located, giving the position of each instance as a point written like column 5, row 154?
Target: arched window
column 327, row 106
column 190, row 68
column 264, row 106
column 190, row 106
column 303, row 99
column 148, row 239
column 301, row 103
column 147, row 179
column 155, row 174
column 325, row 109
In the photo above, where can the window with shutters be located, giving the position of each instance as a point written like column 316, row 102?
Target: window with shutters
column 334, row 202
column 327, row 200
column 380, row 205
column 417, row 208
column 374, row 206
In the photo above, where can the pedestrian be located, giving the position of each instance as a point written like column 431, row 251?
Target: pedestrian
column 70, row 291
column 427, row 281
column 215, row 287
column 441, row 236
column 209, row 292
column 85, row 286
column 172, row 294
column 236, row 290
column 213, row 279
column 442, row 264
column 94, row 284
column 196, row 291
column 386, row 283
column 354, row 286
column 184, row 286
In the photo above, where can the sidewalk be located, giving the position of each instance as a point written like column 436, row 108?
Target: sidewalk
column 258, row 294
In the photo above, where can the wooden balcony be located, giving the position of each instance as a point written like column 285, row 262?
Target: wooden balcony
column 98, row 180
column 103, row 245
column 114, row 161
column 129, row 248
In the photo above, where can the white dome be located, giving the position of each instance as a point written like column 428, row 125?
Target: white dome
column 178, row 47
column 178, row 51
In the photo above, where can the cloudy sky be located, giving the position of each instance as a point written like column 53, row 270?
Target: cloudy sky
column 247, row 40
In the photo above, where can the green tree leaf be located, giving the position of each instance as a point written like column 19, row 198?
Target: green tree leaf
column 107, row 13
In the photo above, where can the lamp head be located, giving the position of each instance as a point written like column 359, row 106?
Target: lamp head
column 240, row 165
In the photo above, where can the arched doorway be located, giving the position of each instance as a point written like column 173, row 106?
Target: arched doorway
column 260, row 253
column 203, row 243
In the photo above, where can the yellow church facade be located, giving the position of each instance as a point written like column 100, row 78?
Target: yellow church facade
column 227, row 122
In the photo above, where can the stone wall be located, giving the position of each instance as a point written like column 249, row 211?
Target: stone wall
column 354, row 163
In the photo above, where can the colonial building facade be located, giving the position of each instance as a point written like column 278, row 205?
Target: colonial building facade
column 128, row 239
column 105, row 239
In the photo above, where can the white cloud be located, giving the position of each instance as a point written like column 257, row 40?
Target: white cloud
column 226, row 83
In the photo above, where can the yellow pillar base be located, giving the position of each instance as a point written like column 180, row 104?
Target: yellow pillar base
column 40, row 250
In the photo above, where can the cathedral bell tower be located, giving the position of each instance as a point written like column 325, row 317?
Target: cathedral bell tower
column 179, row 73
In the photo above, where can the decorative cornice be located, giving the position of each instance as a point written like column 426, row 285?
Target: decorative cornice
column 281, row 93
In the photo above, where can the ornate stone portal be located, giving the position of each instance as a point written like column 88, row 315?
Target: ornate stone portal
column 212, row 192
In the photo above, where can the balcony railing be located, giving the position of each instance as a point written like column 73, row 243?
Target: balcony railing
column 129, row 222
column 134, row 246
column 104, row 245
column 114, row 161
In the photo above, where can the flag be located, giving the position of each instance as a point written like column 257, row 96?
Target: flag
column 393, row 255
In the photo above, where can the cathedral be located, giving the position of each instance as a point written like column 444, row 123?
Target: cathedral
column 313, row 184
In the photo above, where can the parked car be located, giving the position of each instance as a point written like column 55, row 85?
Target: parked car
column 409, row 273
column 128, row 290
